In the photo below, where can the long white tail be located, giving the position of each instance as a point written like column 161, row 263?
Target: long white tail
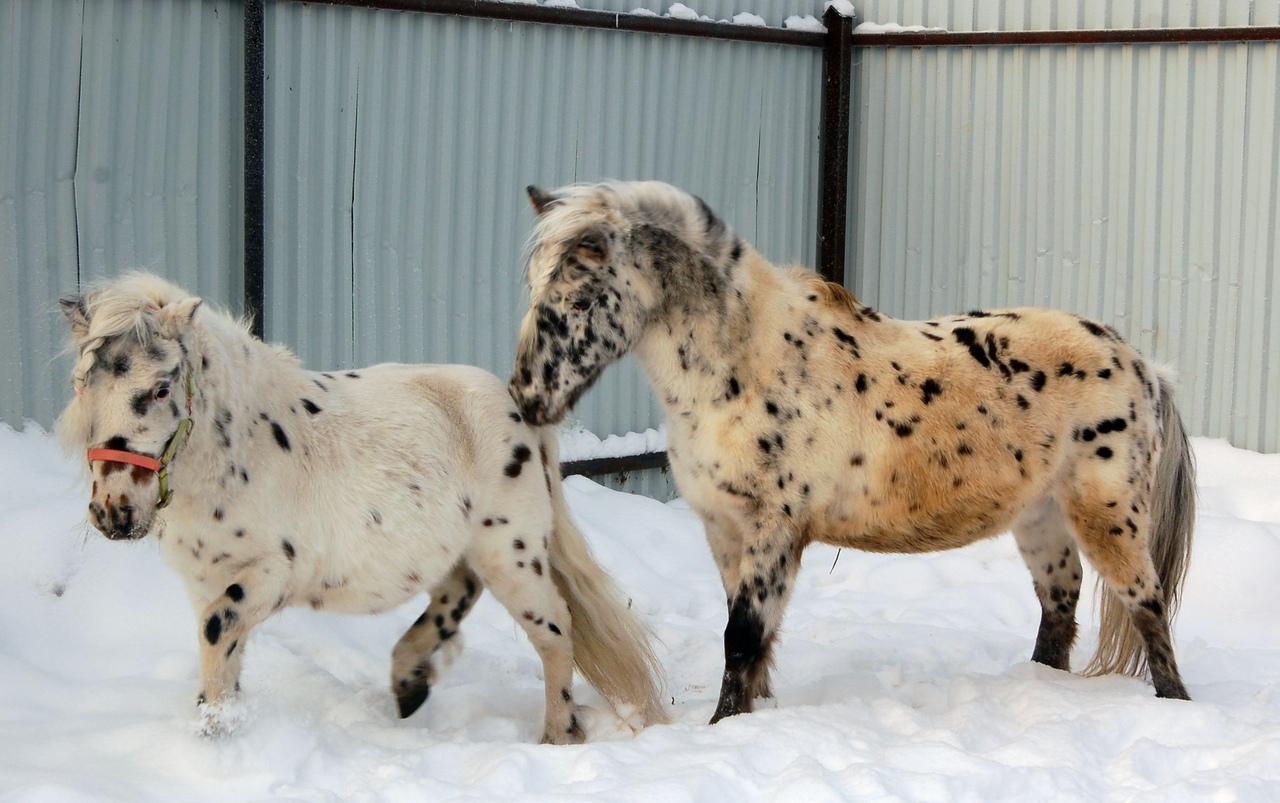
column 610, row 645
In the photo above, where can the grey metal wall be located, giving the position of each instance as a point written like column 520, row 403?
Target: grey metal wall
column 120, row 146
column 1136, row 184
column 399, row 147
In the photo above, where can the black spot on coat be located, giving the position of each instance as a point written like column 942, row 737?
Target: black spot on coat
column 281, row 438
column 141, row 402
column 519, row 456
column 930, row 389
column 968, row 338
column 213, row 629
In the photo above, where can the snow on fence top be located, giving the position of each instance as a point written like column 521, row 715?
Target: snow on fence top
column 681, row 11
column 578, row 443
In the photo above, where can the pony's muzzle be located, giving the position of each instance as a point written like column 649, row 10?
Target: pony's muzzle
column 118, row 522
column 533, row 411
column 532, row 408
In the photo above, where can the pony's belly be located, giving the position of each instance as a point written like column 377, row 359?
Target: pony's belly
column 957, row 524
column 359, row 577
column 359, row 598
column 902, row 539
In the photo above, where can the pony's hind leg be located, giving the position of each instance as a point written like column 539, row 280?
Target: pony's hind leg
column 513, row 564
column 413, row 668
column 1113, row 531
column 1049, row 550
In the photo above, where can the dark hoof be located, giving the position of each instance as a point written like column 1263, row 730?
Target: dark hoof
column 723, row 712
column 1054, row 660
column 1173, row 693
column 410, row 699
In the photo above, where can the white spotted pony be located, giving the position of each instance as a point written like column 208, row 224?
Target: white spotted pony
column 268, row 485
column 797, row 414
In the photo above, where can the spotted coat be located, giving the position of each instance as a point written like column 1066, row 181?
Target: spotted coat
column 342, row 491
column 798, row 414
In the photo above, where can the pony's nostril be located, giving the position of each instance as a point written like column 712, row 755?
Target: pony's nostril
column 98, row 515
column 122, row 518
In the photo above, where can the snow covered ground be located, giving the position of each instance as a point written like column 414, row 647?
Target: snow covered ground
column 898, row 677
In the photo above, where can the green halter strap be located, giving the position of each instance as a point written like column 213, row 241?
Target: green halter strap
column 161, row 466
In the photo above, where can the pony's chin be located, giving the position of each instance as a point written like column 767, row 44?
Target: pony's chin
column 537, row 413
column 541, row 418
column 131, row 534
column 555, row 416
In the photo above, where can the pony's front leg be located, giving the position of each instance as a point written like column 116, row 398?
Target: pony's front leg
column 769, row 560
column 257, row 592
column 724, row 537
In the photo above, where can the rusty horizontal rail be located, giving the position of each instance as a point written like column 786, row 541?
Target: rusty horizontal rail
column 1098, row 36
column 597, row 466
column 587, row 18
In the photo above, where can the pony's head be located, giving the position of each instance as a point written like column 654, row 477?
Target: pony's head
column 603, row 258
column 588, row 299
column 132, row 404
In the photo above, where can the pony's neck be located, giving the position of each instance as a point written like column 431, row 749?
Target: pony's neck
column 699, row 346
column 238, row 378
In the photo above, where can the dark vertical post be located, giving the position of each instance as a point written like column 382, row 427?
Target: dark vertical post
column 254, row 192
column 834, row 178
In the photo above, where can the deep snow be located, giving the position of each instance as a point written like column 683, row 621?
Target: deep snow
column 898, row 677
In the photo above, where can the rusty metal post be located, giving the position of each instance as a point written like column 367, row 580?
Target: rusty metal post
column 833, row 187
column 254, row 163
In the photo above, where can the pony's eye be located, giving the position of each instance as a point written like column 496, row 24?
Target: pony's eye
column 161, row 393
column 582, row 305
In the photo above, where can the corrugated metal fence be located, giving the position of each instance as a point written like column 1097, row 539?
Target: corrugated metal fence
column 1138, row 184
column 120, row 145
column 1134, row 183
column 399, row 147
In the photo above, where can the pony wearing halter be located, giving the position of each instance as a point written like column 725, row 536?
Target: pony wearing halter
column 798, row 414
column 267, row 485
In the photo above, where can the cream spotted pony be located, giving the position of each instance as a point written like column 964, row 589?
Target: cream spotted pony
column 267, row 485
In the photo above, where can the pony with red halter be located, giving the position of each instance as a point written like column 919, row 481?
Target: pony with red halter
column 269, row 486
column 798, row 414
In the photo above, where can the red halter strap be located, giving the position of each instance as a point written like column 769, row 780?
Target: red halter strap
column 117, row 456
column 159, row 466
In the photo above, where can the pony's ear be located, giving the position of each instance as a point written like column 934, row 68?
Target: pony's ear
column 592, row 248
column 77, row 312
column 542, row 201
column 174, row 319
